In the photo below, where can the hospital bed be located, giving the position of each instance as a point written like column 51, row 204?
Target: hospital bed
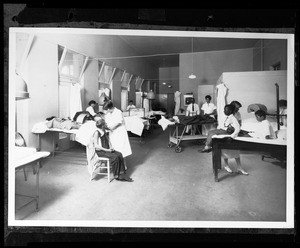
column 177, row 129
column 220, row 142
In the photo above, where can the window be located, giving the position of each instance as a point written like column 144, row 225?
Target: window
column 71, row 66
column 106, row 74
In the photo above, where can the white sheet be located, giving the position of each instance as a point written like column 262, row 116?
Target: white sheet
column 135, row 124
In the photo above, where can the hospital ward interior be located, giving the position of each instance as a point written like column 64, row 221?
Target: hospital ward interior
column 157, row 99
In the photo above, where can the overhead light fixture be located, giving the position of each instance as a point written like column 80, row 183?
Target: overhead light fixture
column 164, row 83
column 170, row 86
column 21, row 88
column 192, row 76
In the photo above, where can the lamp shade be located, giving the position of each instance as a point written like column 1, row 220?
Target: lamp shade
column 21, row 88
column 150, row 95
column 192, row 76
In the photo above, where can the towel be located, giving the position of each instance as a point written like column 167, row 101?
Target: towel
column 163, row 122
column 85, row 132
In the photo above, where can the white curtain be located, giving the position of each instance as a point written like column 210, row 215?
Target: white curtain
column 221, row 93
column 75, row 99
column 177, row 102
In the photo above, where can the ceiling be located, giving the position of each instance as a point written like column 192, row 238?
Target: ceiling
column 161, row 51
column 167, row 49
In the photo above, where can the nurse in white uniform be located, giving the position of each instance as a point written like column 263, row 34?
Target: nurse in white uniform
column 118, row 135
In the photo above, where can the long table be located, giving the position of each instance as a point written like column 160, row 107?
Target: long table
column 31, row 159
column 246, row 144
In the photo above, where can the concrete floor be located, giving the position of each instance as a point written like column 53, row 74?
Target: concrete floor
column 167, row 186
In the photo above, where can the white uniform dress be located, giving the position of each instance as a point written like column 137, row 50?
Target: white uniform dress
column 118, row 137
column 177, row 102
column 232, row 153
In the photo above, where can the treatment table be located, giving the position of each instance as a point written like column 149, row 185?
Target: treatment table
column 246, row 144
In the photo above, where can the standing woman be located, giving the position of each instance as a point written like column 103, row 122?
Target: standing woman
column 118, row 135
column 101, row 145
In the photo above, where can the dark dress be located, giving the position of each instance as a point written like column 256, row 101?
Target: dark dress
column 116, row 158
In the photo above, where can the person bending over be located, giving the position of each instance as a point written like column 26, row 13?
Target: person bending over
column 104, row 149
column 230, row 126
column 118, row 135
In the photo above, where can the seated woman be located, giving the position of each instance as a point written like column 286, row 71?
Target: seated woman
column 61, row 123
column 103, row 148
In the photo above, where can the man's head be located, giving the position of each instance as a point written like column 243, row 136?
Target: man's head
column 208, row 98
column 260, row 115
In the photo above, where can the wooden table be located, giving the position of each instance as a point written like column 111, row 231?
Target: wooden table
column 243, row 143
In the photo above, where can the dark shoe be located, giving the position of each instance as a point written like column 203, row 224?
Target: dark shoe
column 125, row 179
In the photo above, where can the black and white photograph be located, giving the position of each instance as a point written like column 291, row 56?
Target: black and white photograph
column 150, row 128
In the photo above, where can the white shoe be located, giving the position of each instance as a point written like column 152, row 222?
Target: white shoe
column 241, row 171
column 227, row 169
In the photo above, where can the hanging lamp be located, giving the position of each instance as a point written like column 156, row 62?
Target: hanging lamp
column 192, row 76
column 21, row 88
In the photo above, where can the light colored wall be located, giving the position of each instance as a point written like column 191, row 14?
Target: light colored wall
column 90, row 84
column 255, row 87
column 168, row 74
column 208, row 66
column 42, row 79
column 105, row 49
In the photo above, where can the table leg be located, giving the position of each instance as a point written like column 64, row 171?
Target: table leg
column 53, row 143
column 37, row 185
column 216, row 157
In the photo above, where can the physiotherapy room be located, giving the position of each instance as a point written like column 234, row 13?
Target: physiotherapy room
column 168, row 186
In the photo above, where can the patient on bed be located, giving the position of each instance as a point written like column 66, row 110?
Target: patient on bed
column 61, row 123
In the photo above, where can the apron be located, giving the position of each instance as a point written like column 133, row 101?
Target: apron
column 119, row 137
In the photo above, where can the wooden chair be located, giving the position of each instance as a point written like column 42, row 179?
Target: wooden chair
column 103, row 168
column 97, row 165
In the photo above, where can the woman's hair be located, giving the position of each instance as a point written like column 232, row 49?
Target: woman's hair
column 261, row 113
column 230, row 107
column 100, row 123
column 208, row 97
column 91, row 102
column 236, row 103
column 108, row 105
column 50, row 118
